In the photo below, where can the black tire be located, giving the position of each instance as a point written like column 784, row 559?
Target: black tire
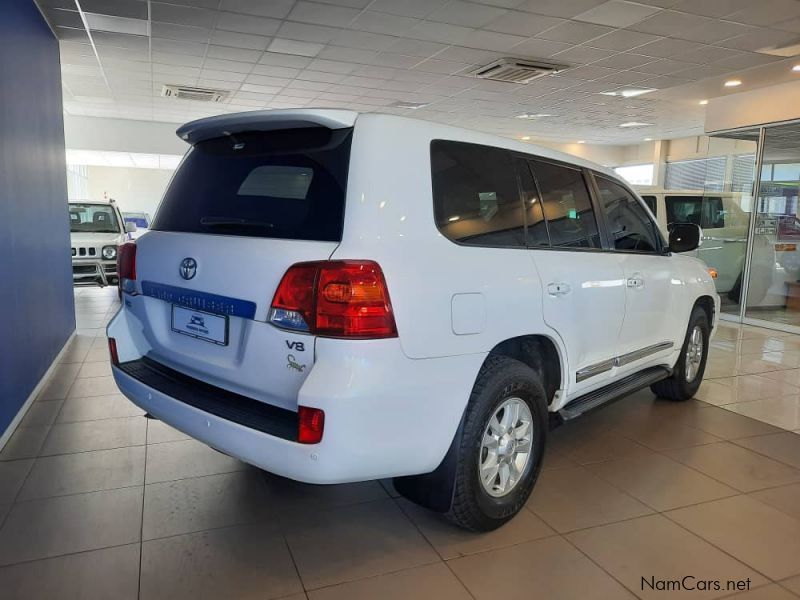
column 678, row 387
column 500, row 378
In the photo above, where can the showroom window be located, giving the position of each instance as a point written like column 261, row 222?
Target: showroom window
column 699, row 174
column 636, row 174
column 286, row 184
column 567, row 206
column 475, row 195
column 629, row 226
column 706, row 211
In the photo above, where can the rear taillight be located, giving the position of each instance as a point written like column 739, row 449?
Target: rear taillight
column 335, row 298
column 310, row 424
column 112, row 351
column 126, row 267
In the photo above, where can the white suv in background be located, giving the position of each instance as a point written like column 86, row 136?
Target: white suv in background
column 96, row 231
column 337, row 297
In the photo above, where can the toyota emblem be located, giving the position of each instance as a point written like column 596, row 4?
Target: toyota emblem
column 188, row 268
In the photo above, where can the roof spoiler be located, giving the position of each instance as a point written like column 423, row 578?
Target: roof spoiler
column 264, row 120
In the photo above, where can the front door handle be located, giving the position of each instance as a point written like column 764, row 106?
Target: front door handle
column 558, row 289
column 635, row 281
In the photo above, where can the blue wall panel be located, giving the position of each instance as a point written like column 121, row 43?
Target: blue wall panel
column 36, row 303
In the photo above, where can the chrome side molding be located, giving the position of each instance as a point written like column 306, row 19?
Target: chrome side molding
column 618, row 361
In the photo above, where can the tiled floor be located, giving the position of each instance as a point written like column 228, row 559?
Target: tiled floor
column 98, row 502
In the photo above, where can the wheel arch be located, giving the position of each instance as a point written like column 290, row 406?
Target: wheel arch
column 707, row 304
column 540, row 353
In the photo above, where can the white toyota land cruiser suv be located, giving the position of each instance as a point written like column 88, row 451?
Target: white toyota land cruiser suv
column 337, row 297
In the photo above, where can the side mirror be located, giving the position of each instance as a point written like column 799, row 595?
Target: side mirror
column 684, row 237
column 130, row 227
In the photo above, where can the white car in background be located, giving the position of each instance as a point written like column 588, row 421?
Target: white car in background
column 96, row 231
column 336, row 297
column 724, row 218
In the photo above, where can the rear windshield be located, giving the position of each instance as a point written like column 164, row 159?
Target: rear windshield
column 281, row 184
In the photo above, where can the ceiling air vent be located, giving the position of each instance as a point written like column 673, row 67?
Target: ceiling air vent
column 184, row 92
column 515, row 70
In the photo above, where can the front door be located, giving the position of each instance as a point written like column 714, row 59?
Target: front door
column 650, row 294
column 583, row 286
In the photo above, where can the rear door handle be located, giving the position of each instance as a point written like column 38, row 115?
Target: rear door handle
column 559, row 289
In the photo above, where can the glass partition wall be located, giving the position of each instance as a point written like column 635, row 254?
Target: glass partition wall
column 751, row 227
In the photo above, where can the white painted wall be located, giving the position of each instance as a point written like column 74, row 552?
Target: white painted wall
column 135, row 190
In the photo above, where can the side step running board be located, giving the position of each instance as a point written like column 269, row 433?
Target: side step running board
column 612, row 392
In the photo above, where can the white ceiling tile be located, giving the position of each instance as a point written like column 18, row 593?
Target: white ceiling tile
column 663, row 66
column 559, row 8
column 490, row 40
column 308, row 33
column 759, row 39
column 239, row 40
column 466, row 14
column 623, row 39
column 624, row 61
column 386, row 59
column 322, row 14
column 670, row 23
column 309, row 75
column 537, row 48
column 347, row 54
column 350, row 3
column 117, row 24
column 179, row 32
column 121, row 40
column 177, row 59
column 378, row 22
column 407, row 8
column 581, row 55
column 574, row 32
column 284, row 60
column 705, row 54
column 792, row 25
column 227, row 65
column 239, row 54
column 268, row 80
column 468, row 55
column 182, row 15
column 293, row 47
column 259, row 89
column 744, row 61
column 276, row 71
column 247, row 24
column 364, row 40
column 711, row 8
column 415, row 47
column 617, row 13
column 766, row 12
column 223, row 75
column 271, row 8
column 163, row 45
column 331, row 66
column 440, row 66
column 132, row 9
column 523, row 23
column 667, row 47
column 439, row 32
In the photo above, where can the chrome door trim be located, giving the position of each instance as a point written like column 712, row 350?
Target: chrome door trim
column 619, row 361
column 641, row 353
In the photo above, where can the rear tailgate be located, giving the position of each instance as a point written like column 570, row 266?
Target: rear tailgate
column 246, row 203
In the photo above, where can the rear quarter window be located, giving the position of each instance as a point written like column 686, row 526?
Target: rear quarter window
column 288, row 184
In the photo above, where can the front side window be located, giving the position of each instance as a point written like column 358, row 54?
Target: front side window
column 567, row 206
column 630, row 228
column 475, row 196
column 92, row 218
column 705, row 211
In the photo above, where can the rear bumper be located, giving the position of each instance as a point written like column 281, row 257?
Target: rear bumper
column 385, row 415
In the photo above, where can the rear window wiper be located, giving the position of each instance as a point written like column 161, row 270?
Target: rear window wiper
column 233, row 222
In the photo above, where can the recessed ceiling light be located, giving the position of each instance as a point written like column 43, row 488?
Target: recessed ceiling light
column 733, row 82
column 581, row 141
column 525, row 138
column 630, row 92
column 703, row 102
column 796, row 68
column 648, row 139
column 634, row 124
column 533, row 116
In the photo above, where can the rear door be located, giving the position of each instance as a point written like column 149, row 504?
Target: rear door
column 584, row 288
column 240, row 210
